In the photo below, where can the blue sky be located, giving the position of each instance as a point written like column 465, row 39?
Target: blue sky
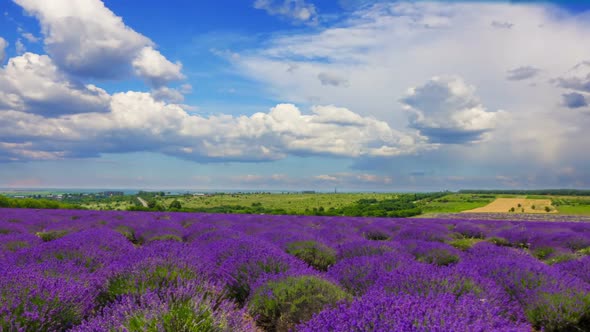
column 294, row 94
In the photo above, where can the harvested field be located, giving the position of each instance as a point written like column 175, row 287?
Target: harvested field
column 517, row 205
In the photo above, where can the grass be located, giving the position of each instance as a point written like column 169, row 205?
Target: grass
column 298, row 203
column 293, row 203
column 578, row 205
column 124, row 205
column 454, row 203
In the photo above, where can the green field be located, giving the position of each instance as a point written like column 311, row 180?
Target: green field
column 317, row 203
column 454, row 203
column 121, row 205
column 292, row 203
column 579, row 205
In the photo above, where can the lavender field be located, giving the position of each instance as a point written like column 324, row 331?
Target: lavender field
column 136, row 271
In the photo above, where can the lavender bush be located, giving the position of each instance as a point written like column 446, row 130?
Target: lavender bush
column 67, row 270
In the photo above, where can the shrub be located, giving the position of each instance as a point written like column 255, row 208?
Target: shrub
column 15, row 245
column 181, row 316
column 543, row 252
column 280, row 305
column 315, row 254
column 175, row 205
column 464, row 244
column 239, row 288
column 129, row 233
column 377, row 236
column 440, row 257
column 47, row 236
column 166, row 237
column 499, row 241
column 154, row 278
column 561, row 258
column 560, row 312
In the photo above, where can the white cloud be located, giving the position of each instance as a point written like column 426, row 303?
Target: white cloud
column 30, row 37
column 167, row 94
column 155, row 68
column 502, row 25
column 20, row 47
column 32, row 83
column 3, row 46
column 385, row 48
column 296, row 10
column 446, row 110
column 87, row 39
column 138, row 122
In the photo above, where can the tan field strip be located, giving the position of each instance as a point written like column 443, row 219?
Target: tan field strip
column 516, row 205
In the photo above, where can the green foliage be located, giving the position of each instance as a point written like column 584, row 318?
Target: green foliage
column 166, row 237
column 175, row 205
column 15, row 245
column 281, row 305
column 440, row 257
column 376, row 235
column 561, row 258
column 502, row 242
column 584, row 252
column 32, row 203
column 129, row 233
column 239, row 289
column 558, row 192
column 543, row 252
column 138, row 282
column 560, row 312
column 47, row 236
column 315, row 254
column 63, row 316
column 464, row 244
column 182, row 316
column 401, row 207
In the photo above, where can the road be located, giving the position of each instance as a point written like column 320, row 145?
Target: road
column 142, row 201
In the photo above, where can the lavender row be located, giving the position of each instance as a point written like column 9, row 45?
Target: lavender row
column 136, row 271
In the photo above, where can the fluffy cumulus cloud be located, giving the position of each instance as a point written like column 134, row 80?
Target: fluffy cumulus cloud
column 446, row 110
column 3, row 46
column 296, row 10
column 87, row 39
column 386, row 48
column 155, row 68
column 47, row 112
column 409, row 84
column 138, row 122
column 32, row 83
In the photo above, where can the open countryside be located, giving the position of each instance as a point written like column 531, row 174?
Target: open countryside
column 294, row 166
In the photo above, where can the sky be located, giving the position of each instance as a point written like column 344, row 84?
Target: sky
column 294, row 94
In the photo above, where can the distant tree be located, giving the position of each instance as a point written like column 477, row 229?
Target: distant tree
column 175, row 205
column 547, row 209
